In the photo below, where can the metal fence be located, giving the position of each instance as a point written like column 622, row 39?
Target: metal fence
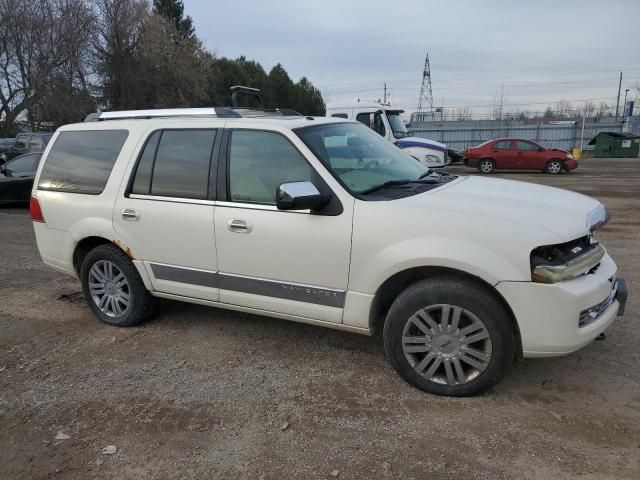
column 562, row 136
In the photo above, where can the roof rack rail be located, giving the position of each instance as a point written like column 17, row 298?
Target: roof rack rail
column 219, row 112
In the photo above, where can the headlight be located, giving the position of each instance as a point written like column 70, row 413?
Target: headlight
column 432, row 158
column 565, row 261
column 597, row 218
column 569, row 156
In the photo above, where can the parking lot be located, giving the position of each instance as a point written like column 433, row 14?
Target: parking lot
column 207, row 393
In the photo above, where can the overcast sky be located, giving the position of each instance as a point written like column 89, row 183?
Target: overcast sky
column 541, row 50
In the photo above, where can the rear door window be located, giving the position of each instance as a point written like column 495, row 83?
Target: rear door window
column 23, row 164
column 81, row 162
column 36, row 143
column 527, row 147
column 504, row 145
column 175, row 163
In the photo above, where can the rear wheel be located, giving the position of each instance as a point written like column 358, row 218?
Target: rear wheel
column 113, row 288
column 554, row 166
column 486, row 165
column 449, row 336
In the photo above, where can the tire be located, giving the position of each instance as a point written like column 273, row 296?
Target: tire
column 486, row 166
column 554, row 166
column 111, row 265
column 413, row 331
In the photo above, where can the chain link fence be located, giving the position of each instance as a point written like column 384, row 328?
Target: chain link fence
column 460, row 135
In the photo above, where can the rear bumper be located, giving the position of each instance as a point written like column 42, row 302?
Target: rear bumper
column 470, row 162
column 549, row 315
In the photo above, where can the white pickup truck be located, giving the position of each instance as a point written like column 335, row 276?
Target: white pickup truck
column 386, row 120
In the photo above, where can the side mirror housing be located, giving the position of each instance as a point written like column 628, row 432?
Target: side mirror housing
column 300, row 196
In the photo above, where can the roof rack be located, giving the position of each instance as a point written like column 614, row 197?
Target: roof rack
column 219, row 112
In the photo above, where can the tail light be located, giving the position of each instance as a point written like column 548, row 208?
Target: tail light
column 35, row 211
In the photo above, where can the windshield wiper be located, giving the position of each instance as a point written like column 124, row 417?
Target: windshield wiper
column 391, row 183
column 428, row 172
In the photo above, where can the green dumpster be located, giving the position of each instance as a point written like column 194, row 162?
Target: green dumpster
column 613, row 144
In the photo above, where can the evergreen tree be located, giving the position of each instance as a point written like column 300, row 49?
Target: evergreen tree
column 173, row 10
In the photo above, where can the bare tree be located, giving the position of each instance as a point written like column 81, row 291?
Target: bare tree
column 499, row 103
column 563, row 109
column 120, row 24
column 38, row 39
column 604, row 110
column 463, row 113
column 588, row 109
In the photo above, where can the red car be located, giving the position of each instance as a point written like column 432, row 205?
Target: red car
column 517, row 153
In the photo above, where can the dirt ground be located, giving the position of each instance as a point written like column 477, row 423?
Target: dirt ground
column 207, row 393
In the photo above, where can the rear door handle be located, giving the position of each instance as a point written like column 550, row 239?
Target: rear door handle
column 239, row 226
column 130, row 214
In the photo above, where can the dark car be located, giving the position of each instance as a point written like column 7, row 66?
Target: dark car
column 518, row 153
column 16, row 178
column 454, row 156
column 6, row 144
column 29, row 143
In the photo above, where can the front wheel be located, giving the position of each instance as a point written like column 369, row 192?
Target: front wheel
column 554, row 166
column 113, row 288
column 449, row 336
column 486, row 166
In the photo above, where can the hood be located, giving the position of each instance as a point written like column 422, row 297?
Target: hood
column 561, row 212
column 420, row 142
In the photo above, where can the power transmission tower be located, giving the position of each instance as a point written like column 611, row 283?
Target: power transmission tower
column 425, row 101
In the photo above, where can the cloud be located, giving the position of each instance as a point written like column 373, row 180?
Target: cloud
column 541, row 51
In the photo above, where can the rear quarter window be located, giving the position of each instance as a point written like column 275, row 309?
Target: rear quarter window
column 81, row 162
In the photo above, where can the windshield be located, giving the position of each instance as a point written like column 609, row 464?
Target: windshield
column 359, row 157
column 397, row 125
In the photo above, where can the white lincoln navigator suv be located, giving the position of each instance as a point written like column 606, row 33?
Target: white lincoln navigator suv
column 322, row 221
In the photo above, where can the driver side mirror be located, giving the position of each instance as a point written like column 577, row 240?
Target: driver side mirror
column 300, row 196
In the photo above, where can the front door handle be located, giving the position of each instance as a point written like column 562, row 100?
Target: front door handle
column 239, row 226
column 130, row 214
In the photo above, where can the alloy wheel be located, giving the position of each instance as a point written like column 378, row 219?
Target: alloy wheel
column 554, row 167
column 109, row 289
column 486, row 166
column 446, row 344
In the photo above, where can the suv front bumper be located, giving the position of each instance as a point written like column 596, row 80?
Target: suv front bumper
column 551, row 317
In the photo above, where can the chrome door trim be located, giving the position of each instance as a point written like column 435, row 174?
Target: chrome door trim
column 193, row 201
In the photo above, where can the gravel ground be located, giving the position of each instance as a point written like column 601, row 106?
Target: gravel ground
column 207, row 393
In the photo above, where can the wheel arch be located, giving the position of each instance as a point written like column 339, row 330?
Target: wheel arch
column 392, row 286
column 84, row 246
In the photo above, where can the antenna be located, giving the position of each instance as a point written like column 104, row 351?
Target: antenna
column 425, row 100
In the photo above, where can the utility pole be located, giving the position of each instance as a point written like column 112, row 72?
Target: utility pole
column 624, row 104
column 618, row 101
column 385, row 94
column 425, row 100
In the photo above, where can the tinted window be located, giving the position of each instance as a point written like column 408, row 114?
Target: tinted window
column 22, row 141
column 142, row 181
column 377, row 125
column 340, row 115
column 26, row 163
column 259, row 162
column 81, row 162
column 504, row 145
column 36, row 142
column 527, row 146
column 181, row 167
